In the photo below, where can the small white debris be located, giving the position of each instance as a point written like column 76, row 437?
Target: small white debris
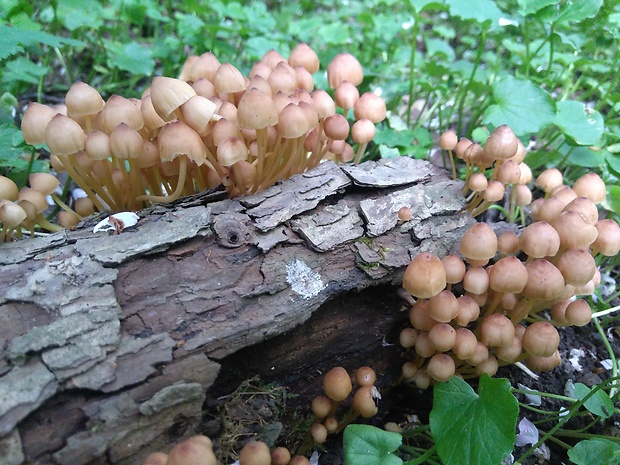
column 509, row 460
column 532, row 399
column 607, row 364
column 78, row 193
column 575, row 355
column 314, row 458
column 506, row 22
column 543, row 453
column 117, row 222
column 303, row 280
column 569, row 389
column 563, row 412
column 528, row 433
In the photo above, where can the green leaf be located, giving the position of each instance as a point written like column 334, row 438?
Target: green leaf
column 578, row 10
column 597, row 451
column 470, row 428
column 22, row 69
column 421, row 5
column 131, row 57
column 599, row 403
column 482, row 11
column 612, row 202
column 528, row 7
column 392, row 138
column 520, row 104
column 586, row 157
column 613, row 162
column 583, row 125
column 14, row 39
column 368, row 445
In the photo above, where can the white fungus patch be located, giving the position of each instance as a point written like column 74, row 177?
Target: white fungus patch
column 528, row 433
column 575, row 355
column 303, row 280
column 117, row 222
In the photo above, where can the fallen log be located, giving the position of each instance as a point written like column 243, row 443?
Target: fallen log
column 109, row 341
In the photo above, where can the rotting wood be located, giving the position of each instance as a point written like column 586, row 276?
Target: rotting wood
column 108, row 341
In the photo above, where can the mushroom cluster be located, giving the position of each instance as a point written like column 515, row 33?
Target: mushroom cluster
column 502, row 300
column 492, row 169
column 337, row 387
column 24, row 209
column 198, row 450
column 210, row 126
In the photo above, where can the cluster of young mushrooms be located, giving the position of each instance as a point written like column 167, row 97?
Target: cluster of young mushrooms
column 500, row 301
column 210, row 126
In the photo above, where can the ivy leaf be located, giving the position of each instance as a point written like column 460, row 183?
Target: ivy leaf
column 578, row 122
column 131, row 57
column 597, row 451
column 470, row 428
column 585, row 157
column 599, row 403
column 481, row 11
column 578, row 10
column 528, row 7
column 368, row 445
column 612, row 202
column 14, row 39
column 520, row 104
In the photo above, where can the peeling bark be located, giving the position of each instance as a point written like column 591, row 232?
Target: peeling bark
column 109, row 341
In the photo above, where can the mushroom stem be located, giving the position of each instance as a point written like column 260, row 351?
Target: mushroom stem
column 360, row 152
column 177, row 192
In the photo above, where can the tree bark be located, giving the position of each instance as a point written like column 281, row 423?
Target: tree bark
column 110, row 340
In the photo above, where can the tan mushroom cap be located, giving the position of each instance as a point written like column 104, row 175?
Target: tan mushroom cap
column 539, row 240
column 8, row 189
column 608, row 240
column 502, row 143
column 544, row 281
column 45, row 183
column 168, row 94
column 228, row 79
column 35, row 120
column 83, row 100
column 337, row 384
column 176, row 139
column 256, row 110
column 344, row 67
column 425, row 276
column 479, row 244
column 303, row 55
column 508, row 275
column 64, row 136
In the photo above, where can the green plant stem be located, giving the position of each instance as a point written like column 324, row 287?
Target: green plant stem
column 424, row 458
column 571, row 411
column 550, row 38
column 543, row 394
column 477, row 60
column 414, row 45
column 610, row 351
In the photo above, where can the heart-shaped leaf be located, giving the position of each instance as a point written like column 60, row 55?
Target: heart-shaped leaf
column 368, row 445
column 470, row 428
column 583, row 125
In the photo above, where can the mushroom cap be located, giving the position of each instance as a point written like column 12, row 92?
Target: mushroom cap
column 448, row 140
column 192, row 451
column 549, row 179
column 45, row 183
column 425, row 276
column 292, row 122
column 125, row 142
column 8, row 189
column 303, row 55
column 282, row 79
column 256, row 110
column 231, row 151
column 476, row 280
column 540, row 339
column 321, row 406
column 83, row 100
column 64, row 136
column 34, row 121
column 577, row 266
column 364, row 401
column 543, row 363
column 336, row 127
column 337, row 384
column 370, row 106
column 228, row 79
column 508, row 275
column 346, row 95
column 280, row 456
column 578, row 313
column 574, row 230
column 97, row 145
column 591, row 185
column 442, row 336
column 363, row 131
column 197, row 113
column 365, row 376
column 608, row 240
column 465, row 344
column 11, row 214
column 539, row 240
column 344, row 67
column 479, row 244
column 496, row 330
column 443, row 307
column 544, row 281
column 118, row 110
column 176, row 139
column 324, row 104
column 255, row 453
column 204, row 67
column 168, row 94
column 441, row 367
column 501, row 143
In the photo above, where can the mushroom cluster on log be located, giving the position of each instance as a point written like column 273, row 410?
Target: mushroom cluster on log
column 108, row 340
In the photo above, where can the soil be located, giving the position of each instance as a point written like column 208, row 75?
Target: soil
column 274, row 405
